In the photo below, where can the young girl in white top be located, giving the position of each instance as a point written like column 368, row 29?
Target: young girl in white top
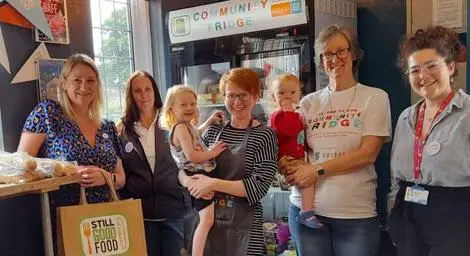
column 179, row 117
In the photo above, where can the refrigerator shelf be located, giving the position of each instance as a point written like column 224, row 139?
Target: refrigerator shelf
column 211, row 105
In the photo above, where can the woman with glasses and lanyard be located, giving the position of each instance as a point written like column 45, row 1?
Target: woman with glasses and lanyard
column 430, row 159
column 346, row 126
column 244, row 171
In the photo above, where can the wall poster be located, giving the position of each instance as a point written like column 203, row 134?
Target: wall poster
column 49, row 73
column 56, row 15
column 447, row 13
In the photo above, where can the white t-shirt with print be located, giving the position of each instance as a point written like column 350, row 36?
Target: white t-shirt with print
column 335, row 124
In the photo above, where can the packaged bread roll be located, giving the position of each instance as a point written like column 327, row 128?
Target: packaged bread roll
column 62, row 168
column 18, row 167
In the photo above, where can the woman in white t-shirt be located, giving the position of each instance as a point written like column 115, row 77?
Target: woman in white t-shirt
column 346, row 126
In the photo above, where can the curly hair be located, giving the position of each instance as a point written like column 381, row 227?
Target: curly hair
column 445, row 41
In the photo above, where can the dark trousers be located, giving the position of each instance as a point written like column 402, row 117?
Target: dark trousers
column 164, row 238
column 440, row 228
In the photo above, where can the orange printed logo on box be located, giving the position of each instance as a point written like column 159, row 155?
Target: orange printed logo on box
column 280, row 9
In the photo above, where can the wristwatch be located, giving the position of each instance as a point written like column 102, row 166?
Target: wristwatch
column 320, row 171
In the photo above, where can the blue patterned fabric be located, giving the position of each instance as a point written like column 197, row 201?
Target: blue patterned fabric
column 65, row 141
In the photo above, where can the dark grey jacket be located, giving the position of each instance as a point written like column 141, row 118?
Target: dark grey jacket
column 162, row 196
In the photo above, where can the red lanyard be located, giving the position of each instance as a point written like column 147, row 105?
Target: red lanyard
column 419, row 144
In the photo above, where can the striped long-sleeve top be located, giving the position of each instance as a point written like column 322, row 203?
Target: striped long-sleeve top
column 261, row 166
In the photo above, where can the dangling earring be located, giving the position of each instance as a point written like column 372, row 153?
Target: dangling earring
column 451, row 79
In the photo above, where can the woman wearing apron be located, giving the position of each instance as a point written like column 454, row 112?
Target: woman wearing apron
column 245, row 170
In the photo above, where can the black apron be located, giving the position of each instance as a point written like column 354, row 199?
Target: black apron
column 230, row 234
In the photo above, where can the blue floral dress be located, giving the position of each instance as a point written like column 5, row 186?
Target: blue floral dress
column 65, row 141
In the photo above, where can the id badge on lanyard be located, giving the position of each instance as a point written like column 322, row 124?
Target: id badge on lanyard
column 416, row 193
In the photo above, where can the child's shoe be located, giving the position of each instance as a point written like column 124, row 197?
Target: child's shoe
column 308, row 219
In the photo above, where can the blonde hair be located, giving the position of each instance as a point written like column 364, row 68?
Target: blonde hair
column 94, row 109
column 167, row 118
column 274, row 83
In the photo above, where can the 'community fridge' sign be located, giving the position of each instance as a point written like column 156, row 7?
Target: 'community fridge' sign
column 234, row 17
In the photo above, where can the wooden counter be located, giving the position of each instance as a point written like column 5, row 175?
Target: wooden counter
column 40, row 186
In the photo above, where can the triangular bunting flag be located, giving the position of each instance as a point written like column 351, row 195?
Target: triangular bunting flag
column 3, row 53
column 29, row 71
column 32, row 10
column 9, row 15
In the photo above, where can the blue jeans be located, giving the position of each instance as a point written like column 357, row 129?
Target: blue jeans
column 164, row 238
column 338, row 237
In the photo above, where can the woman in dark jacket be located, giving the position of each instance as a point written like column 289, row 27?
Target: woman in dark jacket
column 151, row 173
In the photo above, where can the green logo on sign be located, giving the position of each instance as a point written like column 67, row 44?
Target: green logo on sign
column 180, row 26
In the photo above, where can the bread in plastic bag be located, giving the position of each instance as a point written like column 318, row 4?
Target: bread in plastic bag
column 56, row 168
column 19, row 167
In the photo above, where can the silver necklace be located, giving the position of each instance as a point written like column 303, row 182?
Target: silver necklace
column 350, row 104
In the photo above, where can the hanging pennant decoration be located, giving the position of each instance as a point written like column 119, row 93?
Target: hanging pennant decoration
column 32, row 10
column 9, row 15
column 3, row 53
column 29, row 71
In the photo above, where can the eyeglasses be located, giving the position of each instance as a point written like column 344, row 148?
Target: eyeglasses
column 241, row 96
column 431, row 67
column 340, row 54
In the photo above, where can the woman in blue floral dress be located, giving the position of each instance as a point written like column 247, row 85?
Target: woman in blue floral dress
column 73, row 130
